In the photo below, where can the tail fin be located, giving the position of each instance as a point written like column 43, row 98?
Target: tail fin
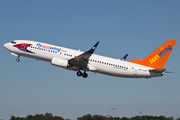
column 157, row 59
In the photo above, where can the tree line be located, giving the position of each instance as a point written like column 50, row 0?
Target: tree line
column 49, row 116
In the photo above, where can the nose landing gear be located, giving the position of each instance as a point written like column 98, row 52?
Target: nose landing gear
column 84, row 75
column 17, row 59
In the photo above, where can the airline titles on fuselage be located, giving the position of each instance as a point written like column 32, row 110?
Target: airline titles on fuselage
column 56, row 50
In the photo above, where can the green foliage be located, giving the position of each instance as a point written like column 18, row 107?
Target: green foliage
column 178, row 118
column 49, row 116
column 124, row 118
column 136, row 118
column 97, row 117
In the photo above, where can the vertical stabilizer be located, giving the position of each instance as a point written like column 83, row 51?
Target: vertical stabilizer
column 157, row 59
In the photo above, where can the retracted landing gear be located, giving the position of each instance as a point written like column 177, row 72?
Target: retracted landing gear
column 17, row 59
column 84, row 75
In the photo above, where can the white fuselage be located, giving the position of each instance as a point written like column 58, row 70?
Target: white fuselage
column 96, row 63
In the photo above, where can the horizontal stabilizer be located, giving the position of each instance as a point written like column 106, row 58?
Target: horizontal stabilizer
column 168, row 72
column 161, row 70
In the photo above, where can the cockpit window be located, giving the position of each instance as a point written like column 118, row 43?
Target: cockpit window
column 13, row 42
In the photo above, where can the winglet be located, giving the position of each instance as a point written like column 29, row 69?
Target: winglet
column 124, row 58
column 93, row 48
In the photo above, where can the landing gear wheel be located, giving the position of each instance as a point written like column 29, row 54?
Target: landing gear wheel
column 17, row 60
column 79, row 73
column 84, row 75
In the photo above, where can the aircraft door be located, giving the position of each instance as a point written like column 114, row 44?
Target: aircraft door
column 135, row 71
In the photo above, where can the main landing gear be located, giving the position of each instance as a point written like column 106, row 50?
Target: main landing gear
column 17, row 59
column 84, row 75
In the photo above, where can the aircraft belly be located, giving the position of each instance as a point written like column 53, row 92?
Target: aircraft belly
column 128, row 73
column 114, row 71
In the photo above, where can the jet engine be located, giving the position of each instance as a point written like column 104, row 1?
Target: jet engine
column 59, row 62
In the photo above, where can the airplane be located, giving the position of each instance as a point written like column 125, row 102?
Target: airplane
column 150, row 66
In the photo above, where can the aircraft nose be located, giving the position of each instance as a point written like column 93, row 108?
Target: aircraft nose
column 6, row 45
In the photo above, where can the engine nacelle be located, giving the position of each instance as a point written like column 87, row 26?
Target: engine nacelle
column 59, row 62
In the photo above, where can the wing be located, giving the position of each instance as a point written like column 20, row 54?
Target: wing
column 81, row 61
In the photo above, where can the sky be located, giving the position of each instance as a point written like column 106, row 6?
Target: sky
column 122, row 26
